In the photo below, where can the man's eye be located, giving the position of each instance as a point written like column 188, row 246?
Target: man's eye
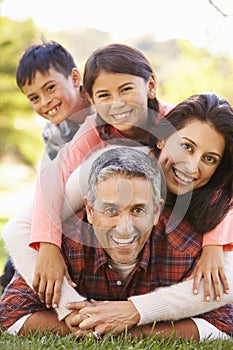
column 110, row 210
column 138, row 211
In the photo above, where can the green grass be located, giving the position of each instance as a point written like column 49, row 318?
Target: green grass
column 49, row 341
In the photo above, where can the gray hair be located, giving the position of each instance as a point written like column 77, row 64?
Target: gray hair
column 128, row 162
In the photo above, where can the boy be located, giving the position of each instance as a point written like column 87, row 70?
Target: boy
column 48, row 76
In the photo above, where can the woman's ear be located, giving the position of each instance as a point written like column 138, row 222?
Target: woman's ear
column 89, row 210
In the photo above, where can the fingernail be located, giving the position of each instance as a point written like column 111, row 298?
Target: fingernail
column 54, row 306
column 208, row 298
column 195, row 291
column 227, row 291
column 217, row 298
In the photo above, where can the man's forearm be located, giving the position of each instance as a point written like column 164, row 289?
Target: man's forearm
column 177, row 301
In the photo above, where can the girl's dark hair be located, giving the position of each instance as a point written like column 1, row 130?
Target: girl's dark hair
column 118, row 58
column 210, row 203
column 41, row 58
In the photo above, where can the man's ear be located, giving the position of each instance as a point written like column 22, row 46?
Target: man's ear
column 158, row 211
column 76, row 77
column 89, row 210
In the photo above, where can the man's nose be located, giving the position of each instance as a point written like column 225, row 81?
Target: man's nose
column 125, row 224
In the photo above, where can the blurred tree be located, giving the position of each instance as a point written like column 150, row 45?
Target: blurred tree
column 17, row 121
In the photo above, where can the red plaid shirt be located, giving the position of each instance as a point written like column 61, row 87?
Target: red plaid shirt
column 165, row 259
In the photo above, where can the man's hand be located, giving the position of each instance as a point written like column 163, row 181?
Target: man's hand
column 48, row 276
column 210, row 267
column 105, row 317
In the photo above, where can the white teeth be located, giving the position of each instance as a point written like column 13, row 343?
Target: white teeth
column 52, row 111
column 182, row 177
column 121, row 116
column 123, row 241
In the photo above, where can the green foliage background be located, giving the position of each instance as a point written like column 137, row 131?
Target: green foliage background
column 181, row 70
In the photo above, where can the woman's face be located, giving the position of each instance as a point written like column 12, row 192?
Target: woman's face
column 121, row 100
column 190, row 156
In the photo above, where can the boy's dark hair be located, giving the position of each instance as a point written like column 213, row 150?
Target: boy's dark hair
column 41, row 58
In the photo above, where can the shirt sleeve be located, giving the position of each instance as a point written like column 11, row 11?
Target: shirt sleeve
column 222, row 234
column 177, row 301
column 49, row 193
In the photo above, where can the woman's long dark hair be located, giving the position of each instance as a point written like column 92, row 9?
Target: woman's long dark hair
column 210, row 203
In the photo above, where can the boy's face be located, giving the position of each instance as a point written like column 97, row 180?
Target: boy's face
column 53, row 96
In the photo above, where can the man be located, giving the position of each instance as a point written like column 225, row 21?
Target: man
column 123, row 253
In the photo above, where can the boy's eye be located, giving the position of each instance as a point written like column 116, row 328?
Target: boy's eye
column 51, row 87
column 33, row 99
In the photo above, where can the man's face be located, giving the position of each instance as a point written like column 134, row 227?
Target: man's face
column 123, row 216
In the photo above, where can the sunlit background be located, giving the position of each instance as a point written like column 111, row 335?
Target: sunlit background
column 188, row 42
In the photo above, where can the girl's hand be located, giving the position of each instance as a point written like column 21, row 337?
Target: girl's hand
column 48, row 276
column 210, row 267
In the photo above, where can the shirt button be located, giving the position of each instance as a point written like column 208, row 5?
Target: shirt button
column 119, row 283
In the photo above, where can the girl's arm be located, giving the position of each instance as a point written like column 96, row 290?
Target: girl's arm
column 210, row 264
column 46, row 217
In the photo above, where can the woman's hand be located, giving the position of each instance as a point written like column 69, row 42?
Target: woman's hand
column 104, row 317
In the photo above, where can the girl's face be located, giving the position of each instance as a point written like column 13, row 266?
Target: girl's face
column 190, row 156
column 121, row 100
column 53, row 96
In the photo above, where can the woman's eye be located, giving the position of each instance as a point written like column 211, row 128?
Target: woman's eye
column 186, row 146
column 211, row 159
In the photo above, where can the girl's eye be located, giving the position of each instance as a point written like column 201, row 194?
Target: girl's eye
column 103, row 95
column 127, row 88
